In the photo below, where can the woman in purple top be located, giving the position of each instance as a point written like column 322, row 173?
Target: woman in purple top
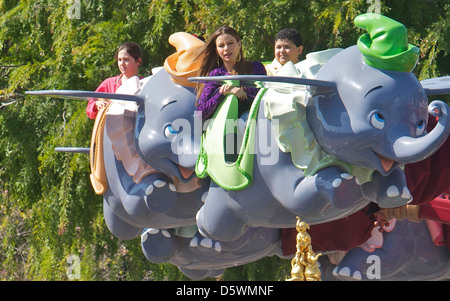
column 223, row 55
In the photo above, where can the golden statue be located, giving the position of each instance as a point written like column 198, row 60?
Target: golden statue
column 304, row 264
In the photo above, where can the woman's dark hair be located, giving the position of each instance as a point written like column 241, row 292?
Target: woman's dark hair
column 132, row 48
column 212, row 60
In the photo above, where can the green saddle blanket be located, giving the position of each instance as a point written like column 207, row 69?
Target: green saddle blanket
column 213, row 159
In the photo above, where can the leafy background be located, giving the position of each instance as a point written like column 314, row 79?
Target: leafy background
column 48, row 210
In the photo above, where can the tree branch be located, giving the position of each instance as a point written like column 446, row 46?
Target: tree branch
column 12, row 97
column 5, row 104
column 11, row 66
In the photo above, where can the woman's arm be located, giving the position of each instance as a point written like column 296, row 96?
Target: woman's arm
column 258, row 69
column 210, row 97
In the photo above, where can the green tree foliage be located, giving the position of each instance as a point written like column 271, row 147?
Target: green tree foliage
column 48, row 211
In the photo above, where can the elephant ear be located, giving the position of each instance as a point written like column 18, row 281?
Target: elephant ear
column 85, row 95
column 263, row 81
column 187, row 60
column 436, row 86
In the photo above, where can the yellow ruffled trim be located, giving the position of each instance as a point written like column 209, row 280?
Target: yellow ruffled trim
column 294, row 135
column 285, row 105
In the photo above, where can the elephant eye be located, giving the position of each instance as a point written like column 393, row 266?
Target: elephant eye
column 170, row 132
column 420, row 128
column 377, row 120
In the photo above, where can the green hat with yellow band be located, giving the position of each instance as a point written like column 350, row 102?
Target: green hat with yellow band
column 386, row 46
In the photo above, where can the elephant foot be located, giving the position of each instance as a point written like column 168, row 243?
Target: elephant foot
column 118, row 227
column 208, row 244
column 201, row 274
column 388, row 191
column 160, row 196
column 349, row 268
column 346, row 274
column 157, row 245
column 394, row 197
column 217, row 221
column 344, row 191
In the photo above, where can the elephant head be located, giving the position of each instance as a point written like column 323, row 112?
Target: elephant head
column 377, row 116
column 166, row 138
column 167, row 130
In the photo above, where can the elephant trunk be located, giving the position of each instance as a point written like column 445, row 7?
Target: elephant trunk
column 410, row 150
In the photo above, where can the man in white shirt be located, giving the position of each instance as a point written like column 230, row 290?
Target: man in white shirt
column 288, row 47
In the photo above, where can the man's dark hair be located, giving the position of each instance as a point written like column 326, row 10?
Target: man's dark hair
column 290, row 34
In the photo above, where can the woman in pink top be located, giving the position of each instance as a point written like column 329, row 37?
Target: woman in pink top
column 129, row 58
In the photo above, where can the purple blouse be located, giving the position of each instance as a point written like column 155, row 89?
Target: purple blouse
column 210, row 97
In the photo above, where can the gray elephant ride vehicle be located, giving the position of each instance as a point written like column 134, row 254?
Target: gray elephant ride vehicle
column 320, row 146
